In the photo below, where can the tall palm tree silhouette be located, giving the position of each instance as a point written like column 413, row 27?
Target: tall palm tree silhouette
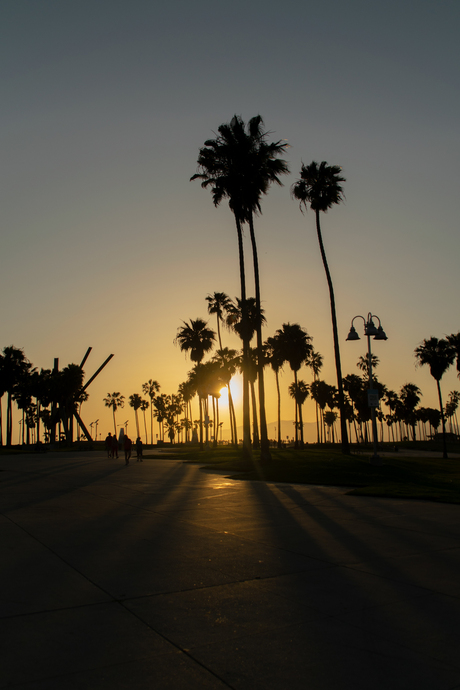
column 114, row 401
column 239, row 165
column 438, row 355
column 319, row 186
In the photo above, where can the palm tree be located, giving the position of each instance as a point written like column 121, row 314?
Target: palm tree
column 187, row 392
column 218, row 304
column 451, row 409
column 410, row 398
column 454, row 342
column 439, row 355
column 114, row 401
column 300, row 392
column 329, row 419
column 160, row 404
column 363, row 364
column 315, row 362
column 135, row 401
column 320, row 392
column 354, row 386
column 151, row 388
column 295, row 347
column 14, row 367
column 319, row 186
column 197, row 339
column 275, row 358
column 228, row 360
column 239, row 165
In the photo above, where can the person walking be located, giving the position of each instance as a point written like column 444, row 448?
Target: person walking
column 139, row 449
column 114, row 447
column 108, row 444
column 127, row 445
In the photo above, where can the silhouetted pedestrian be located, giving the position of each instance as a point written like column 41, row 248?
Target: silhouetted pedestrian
column 139, row 449
column 108, row 444
column 127, row 445
column 114, row 447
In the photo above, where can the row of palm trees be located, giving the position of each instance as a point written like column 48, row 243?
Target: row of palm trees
column 164, row 408
column 292, row 344
column 49, row 397
column 239, row 165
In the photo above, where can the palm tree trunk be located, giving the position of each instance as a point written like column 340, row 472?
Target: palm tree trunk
column 9, row 420
column 343, row 425
column 444, row 442
column 301, row 425
column 151, row 421
column 279, row 408
column 200, row 400
column 247, row 450
column 265, row 454
column 145, row 427
column 255, row 424
column 231, row 410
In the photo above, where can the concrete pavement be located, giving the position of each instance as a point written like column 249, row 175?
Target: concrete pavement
column 164, row 575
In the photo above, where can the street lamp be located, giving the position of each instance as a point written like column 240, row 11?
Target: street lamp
column 372, row 395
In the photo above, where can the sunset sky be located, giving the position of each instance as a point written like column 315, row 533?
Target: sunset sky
column 106, row 243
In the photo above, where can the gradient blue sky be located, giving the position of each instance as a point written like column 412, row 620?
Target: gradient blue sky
column 105, row 242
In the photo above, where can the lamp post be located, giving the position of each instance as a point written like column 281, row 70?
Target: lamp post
column 372, row 395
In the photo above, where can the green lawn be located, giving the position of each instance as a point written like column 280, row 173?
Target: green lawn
column 400, row 477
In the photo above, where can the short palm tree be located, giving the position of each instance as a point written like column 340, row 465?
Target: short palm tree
column 319, row 186
column 187, row 392
column 438, row 355
column 135, row 401
column 114, row 401
column 274, row 357
column 196, row 339
column 295, row 347
column 151, row 388
column 218, row 304
column 410, row 397
column 300, row 392
column 229, row 361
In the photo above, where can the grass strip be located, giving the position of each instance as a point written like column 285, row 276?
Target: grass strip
column 420, row 478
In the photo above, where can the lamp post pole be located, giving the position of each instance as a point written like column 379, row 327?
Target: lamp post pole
column 372, row 396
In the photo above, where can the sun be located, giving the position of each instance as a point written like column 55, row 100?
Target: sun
column 237, row 392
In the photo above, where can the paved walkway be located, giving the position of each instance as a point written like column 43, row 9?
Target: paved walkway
column 162, row 575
